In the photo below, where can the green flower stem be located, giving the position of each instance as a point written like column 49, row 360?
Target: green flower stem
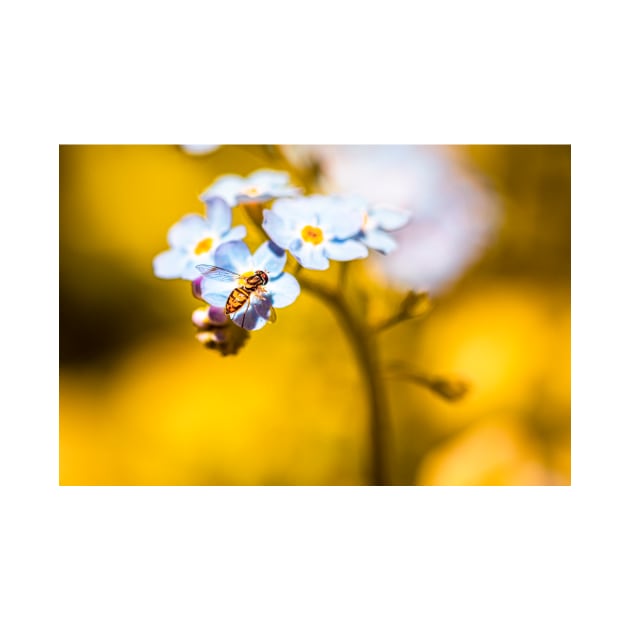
column 364, row 346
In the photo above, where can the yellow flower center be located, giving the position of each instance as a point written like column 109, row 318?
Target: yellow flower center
column 203, row 246
column 312, row 234
column 252, row 191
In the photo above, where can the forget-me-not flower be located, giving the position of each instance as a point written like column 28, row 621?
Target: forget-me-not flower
column 317, row 229
column 377, row 222
column 195, row 239
column 281, row 288
column 258, row 187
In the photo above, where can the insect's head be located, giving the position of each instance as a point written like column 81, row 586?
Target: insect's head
column 264, row 278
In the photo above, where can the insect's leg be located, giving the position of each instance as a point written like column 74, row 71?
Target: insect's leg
column 272, row 314
column 249, row 301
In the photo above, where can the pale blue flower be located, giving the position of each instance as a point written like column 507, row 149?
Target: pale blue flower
column 317, row 229
column 195, row 239
column 235, row 260
column 377, row 223
column 258, row 187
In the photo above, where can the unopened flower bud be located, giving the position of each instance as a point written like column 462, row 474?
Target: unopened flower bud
column 196, row 287
column 205, row 337
column 208, row 337
column 207, row 317
column 217, row 315
column 200, row 317
column 449, row 389
column 216, row 332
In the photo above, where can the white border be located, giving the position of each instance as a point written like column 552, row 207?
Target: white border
column 314, row 557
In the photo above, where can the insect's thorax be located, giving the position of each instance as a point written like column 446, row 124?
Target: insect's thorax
column 254, row 279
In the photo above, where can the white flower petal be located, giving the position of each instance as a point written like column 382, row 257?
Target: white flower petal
column 284, row 290
column 186, row 231
column 227, row 187
column 310, row 257
column 390, row 218
column 219, row 215
column 379, row 240
column 234, row 256
column 169, row 264
column 345, row 250
column 270, row 258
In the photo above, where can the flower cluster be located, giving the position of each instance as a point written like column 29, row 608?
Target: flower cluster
column 454, row 214
column 320, row 228
column 246, row 288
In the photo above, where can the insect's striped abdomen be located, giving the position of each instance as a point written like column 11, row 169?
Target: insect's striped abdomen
column 236, row 299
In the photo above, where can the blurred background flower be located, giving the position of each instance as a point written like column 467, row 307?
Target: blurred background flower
column 258, row 187
column 142, row 402
column 378, row 222
column 199, row 149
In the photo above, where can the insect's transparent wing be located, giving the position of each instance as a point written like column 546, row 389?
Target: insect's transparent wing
column 244, row 321
column 245, row 317
column 217, row 273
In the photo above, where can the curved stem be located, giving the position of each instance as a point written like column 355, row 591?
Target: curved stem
column 364, row 348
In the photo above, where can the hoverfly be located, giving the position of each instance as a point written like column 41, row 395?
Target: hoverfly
column 248, row 284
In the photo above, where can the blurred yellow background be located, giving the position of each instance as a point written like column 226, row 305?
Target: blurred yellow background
column 143, row 403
